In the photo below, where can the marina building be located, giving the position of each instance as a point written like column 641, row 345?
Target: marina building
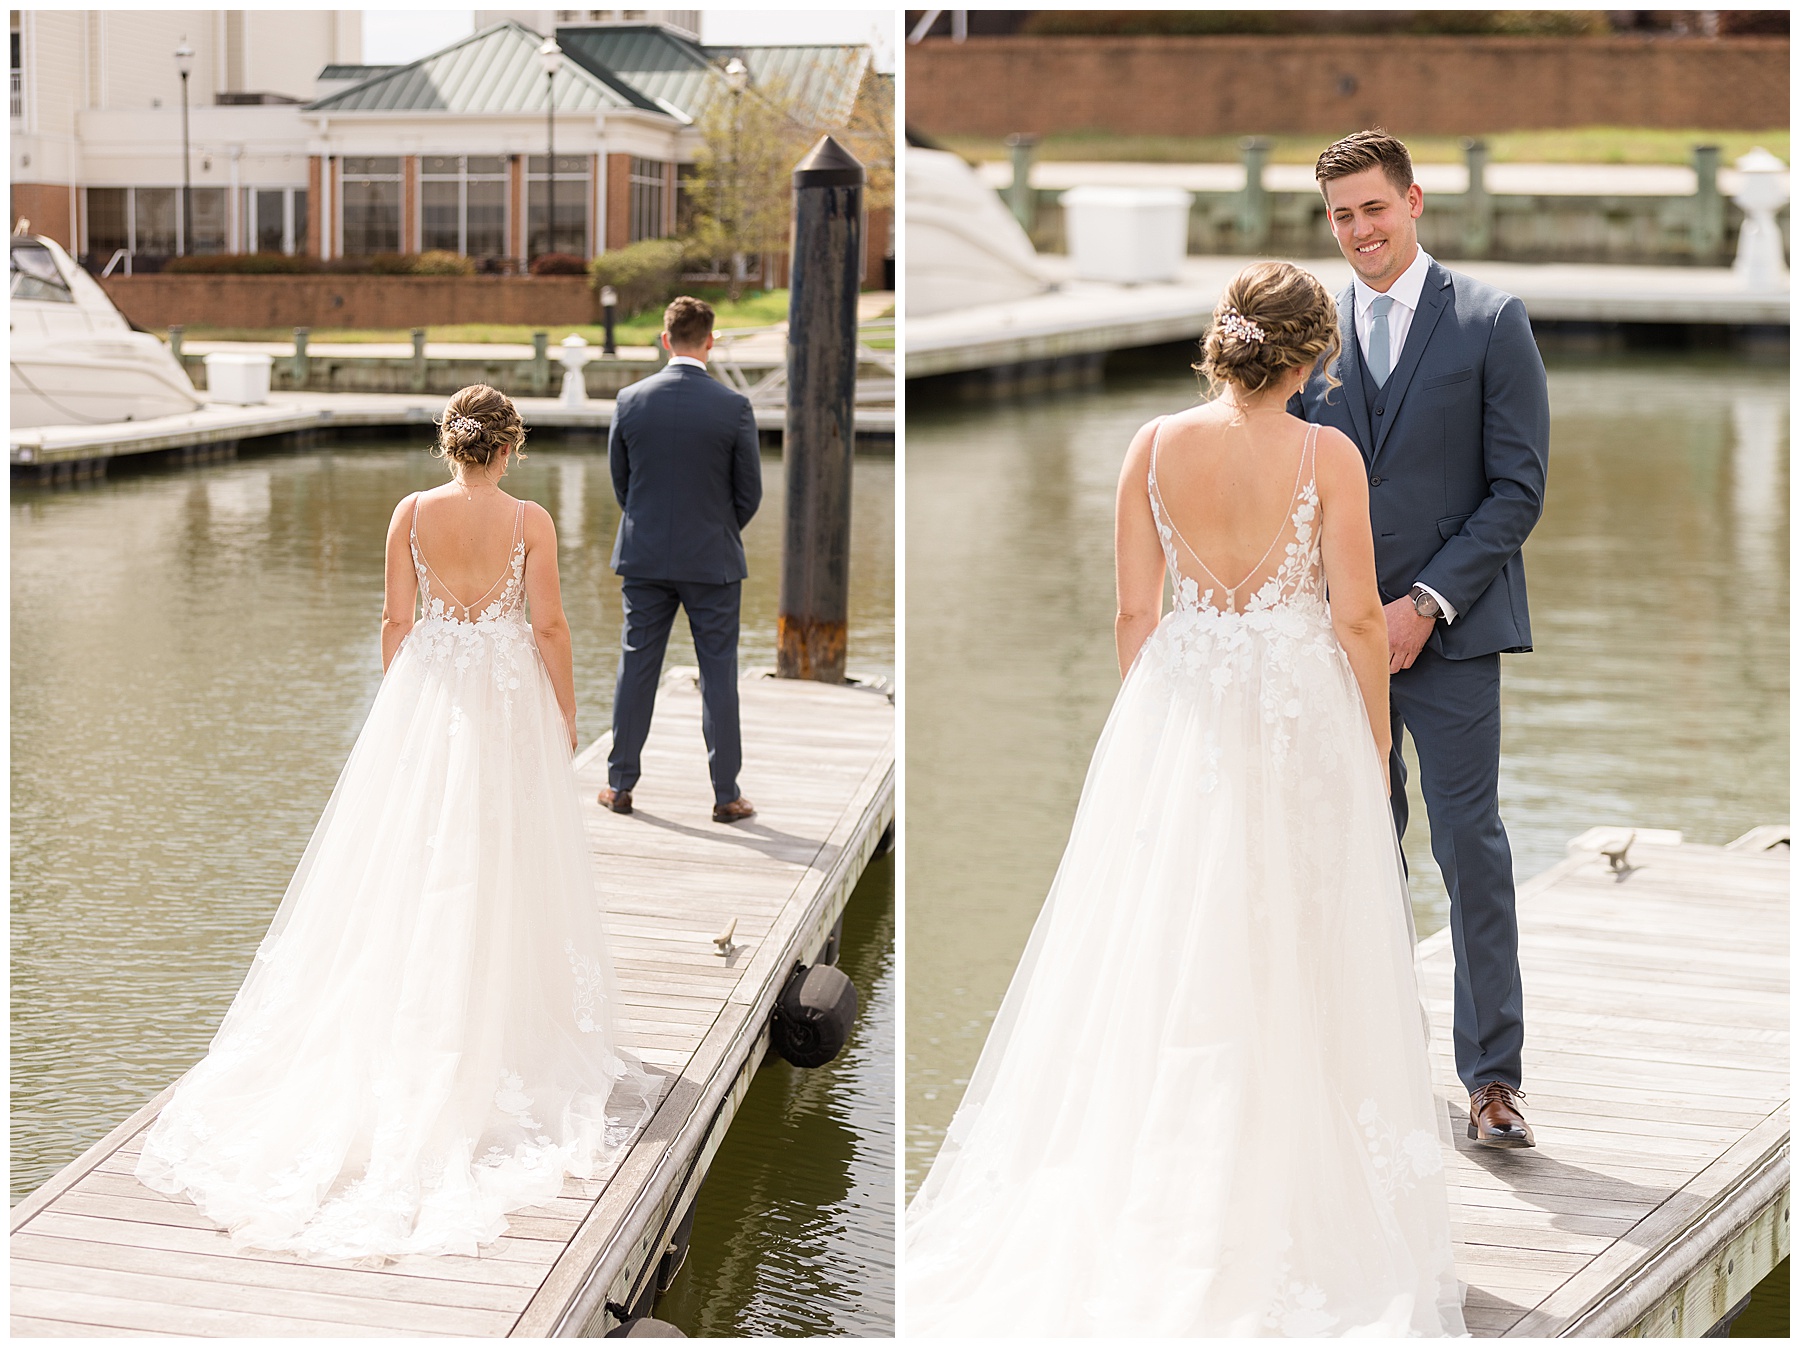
column 294, row 145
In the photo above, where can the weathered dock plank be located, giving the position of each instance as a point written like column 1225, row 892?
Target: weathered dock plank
column 95, row 1253
column 1656, row 1067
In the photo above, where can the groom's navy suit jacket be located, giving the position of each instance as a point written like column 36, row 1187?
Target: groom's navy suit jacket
column 687, row 472
column 1458, row 461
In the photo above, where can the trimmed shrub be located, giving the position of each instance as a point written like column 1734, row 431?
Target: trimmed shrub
column 241, row 264
column 388, row 264
column 442, row 262
column 558, row 264
column 646, row 273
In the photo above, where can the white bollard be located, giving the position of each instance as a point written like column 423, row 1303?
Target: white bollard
column 573, row 356
column 1761, row 192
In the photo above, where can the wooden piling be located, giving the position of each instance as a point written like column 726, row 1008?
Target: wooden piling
column 812, row 622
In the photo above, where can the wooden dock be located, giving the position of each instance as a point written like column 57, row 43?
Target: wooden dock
column 1656, row 1072
column 1089, row 318
column 217, row 429
column 95, row 1253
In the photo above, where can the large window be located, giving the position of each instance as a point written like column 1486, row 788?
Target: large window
column 146, row 221
column 462, row 204
column 573, row 192
column 649, row 180
column 371, row 204
column 274, row 219
column 268, row 226
column 206, row 230
column 108, row 223
column 154, row 224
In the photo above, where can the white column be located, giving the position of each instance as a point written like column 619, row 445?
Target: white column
column 234, row 208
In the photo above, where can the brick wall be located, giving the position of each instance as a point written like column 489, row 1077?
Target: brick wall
column 46, row 205
column 517, row 241
column 411, row 227
column 1205, row 86
column 155, row 302
column 315, row 206
column 618, row 201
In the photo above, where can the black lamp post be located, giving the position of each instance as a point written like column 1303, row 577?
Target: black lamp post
column 551, row 56
column 184, row 62
column 737, row 76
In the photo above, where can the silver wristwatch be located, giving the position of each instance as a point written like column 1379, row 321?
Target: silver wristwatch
column 1423, row 603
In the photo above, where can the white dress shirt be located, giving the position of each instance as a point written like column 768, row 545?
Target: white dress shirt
column 1405, row 293
column 688, row 360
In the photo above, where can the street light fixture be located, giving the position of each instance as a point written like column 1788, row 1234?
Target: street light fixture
column 184, row 62
column 550, row 56
column 737, row 76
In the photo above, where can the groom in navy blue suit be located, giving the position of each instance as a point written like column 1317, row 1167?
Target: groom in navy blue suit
column 1444, row 392
column 687, row 471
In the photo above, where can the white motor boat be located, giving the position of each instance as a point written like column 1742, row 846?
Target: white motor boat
column 963, row 248
column 75, row 360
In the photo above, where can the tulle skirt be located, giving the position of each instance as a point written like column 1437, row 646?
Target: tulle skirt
column 425, row 1040
column 1204, row 1108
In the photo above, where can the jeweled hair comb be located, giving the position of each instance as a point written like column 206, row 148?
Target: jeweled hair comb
column 1236, row 325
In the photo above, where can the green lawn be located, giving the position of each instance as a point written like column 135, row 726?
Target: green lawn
column 757, row 309
column 1581, row 145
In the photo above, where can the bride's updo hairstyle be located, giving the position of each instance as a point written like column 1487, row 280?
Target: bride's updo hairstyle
column 478, row 423
column 1272, row 317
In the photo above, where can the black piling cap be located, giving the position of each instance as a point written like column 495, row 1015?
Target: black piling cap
column 828, row 164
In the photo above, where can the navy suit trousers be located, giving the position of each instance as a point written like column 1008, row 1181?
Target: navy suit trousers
column 712, row 612
column 1452, row 709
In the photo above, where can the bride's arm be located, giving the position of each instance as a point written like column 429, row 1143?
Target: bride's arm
column 543, row 592
column 401, row 589
column 1137, row 554
column 1348, row 546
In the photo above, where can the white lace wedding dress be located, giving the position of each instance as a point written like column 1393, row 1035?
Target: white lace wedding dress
column 425, row 1039
column 1204, row 1108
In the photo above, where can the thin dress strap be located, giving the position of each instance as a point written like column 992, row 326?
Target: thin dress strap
column 428, row 573
column 1287, row 519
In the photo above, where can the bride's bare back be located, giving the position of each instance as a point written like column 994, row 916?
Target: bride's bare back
column 466, row 542
column 1228, row 486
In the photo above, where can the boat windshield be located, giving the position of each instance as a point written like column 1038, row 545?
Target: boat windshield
column 34, row 274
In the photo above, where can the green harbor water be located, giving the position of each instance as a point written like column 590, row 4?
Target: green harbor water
column 1657, row 694
column 193, row 654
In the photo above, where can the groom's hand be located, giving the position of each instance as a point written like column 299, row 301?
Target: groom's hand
column 1407, row 633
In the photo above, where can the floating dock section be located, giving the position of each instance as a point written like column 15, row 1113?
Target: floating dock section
column 55, row 454
column 95, row 1253
column 1082, row 319
column 1656, row 1073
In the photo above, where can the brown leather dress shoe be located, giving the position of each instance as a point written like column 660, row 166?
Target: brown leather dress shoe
column 733, row 811
column 619, row 802
column 1494, row 1117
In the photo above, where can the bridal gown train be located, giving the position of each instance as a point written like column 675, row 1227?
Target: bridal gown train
column 1204, row 1107
column 425, row 1040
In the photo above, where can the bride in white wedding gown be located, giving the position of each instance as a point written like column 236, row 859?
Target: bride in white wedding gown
column 425, row 1040
column 1204, row 1108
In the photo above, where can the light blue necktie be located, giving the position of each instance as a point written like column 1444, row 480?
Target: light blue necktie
column 1378, row 340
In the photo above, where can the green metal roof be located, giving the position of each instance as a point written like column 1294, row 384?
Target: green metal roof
column 493, row 71
column 682, row 77
column 611, row 66
column 824, row 79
